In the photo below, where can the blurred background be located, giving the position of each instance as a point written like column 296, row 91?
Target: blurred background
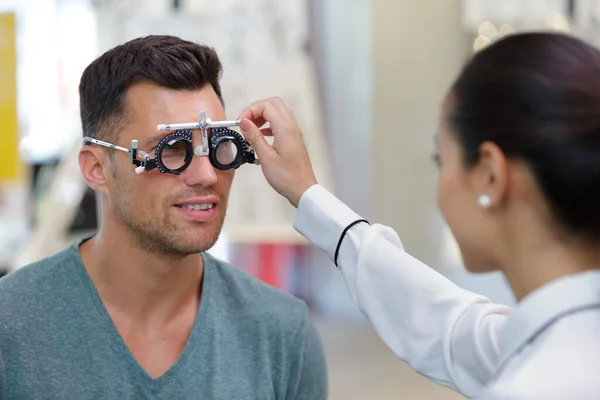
column 365, row 78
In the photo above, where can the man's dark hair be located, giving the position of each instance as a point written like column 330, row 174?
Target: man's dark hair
column 167, row 61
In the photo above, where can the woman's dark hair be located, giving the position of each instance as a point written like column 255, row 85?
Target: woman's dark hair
column 167, row 61
column 537, row 96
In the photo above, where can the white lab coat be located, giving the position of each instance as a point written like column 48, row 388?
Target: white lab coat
column 548, row 347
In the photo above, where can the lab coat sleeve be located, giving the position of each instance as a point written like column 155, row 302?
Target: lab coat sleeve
column 442, row 331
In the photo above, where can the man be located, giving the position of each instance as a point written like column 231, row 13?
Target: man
column 140, row 310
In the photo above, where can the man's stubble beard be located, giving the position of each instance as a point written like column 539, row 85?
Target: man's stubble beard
column 164, row 238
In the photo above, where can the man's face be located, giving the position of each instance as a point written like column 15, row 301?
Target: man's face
column 153, row 206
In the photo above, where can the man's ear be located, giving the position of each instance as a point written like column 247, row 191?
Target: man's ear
column 94, row 165
column 491, row 175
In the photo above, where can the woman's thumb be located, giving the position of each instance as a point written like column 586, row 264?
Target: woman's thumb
column 255, row 138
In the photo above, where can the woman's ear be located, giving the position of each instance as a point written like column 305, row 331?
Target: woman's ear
column 93, row 163
column 491, row 175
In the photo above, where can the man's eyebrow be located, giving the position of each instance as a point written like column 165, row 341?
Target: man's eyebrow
column 154, row 139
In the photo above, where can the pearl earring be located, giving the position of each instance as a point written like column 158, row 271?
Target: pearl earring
column 484, row 201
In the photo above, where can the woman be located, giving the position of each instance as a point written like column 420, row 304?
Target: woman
column 519, row 185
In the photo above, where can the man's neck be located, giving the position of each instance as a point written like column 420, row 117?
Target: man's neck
column 149, row 288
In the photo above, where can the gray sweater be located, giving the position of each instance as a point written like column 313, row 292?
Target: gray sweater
column 249, row 341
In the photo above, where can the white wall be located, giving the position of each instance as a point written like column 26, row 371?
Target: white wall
column 342, row 47
column 343, row 50
column 419, row 48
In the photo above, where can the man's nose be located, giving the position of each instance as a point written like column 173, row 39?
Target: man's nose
column 200, row 172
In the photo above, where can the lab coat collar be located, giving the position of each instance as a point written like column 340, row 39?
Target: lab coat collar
column 544, row 306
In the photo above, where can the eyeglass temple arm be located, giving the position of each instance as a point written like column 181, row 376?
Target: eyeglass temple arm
column 86, row 140
column 147, row 163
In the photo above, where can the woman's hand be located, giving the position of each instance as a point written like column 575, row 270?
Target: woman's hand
column 285, row 164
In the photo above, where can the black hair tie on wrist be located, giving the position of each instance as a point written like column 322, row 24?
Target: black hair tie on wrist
column 337, row 250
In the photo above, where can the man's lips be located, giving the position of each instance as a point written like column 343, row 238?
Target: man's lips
column 200, row 200
column 198, row 209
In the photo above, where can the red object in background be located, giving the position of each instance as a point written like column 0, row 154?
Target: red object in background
column 284, row 266
column 271, row 263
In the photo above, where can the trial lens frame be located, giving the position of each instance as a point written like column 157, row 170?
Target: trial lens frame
column 146, row 163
